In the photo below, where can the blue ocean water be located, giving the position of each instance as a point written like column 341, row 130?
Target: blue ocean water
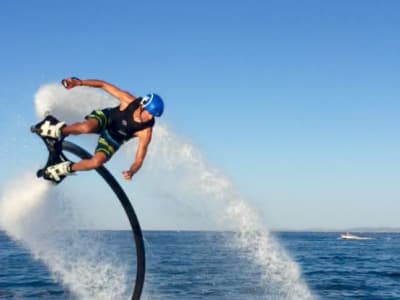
column 203, row 265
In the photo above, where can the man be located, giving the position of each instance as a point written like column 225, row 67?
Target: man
column 133, row 117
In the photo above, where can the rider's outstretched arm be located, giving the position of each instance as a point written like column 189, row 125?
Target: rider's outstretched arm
column 121, row 95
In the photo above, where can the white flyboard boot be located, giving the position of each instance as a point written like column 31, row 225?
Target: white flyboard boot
column 51, row 130
column 59, row 171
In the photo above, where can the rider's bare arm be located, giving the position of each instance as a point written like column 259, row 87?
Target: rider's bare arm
column 116, row 92
column 144, row 139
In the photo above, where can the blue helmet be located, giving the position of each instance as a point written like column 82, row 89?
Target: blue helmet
column 153, row 104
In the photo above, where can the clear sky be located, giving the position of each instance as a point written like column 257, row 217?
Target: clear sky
column 296, row 101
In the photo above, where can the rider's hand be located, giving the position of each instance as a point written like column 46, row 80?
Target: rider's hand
column 127, row 174
column 71, row 82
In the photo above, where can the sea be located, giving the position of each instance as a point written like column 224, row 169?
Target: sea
column 190, row 265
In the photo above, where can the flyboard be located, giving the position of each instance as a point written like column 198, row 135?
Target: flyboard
column 56, row 155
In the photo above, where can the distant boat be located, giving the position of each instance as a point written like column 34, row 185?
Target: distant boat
column 349, row 236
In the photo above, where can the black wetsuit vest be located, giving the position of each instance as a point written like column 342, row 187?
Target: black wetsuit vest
column 121, row 126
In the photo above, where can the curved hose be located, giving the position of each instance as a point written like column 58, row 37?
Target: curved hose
column 126, row 204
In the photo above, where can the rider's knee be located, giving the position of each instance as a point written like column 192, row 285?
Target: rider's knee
column 86, row 127
column 97, row 162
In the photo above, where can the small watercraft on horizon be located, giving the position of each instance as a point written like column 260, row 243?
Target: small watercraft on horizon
column 349, row 236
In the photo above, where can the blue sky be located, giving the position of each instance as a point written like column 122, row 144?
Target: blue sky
column 297, row 101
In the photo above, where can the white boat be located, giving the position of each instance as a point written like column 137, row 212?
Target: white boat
column 349, row 236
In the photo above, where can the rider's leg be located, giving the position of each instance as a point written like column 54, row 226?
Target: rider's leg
column 87, row 126
column 60, row 129
column 67, row 167
column 89, row 164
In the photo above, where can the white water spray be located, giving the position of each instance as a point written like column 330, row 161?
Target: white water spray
column 33, row 214
column 190, row 174
column 182, row 171
column 17, row 205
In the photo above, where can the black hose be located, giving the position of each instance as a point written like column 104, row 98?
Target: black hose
column 126, row 204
